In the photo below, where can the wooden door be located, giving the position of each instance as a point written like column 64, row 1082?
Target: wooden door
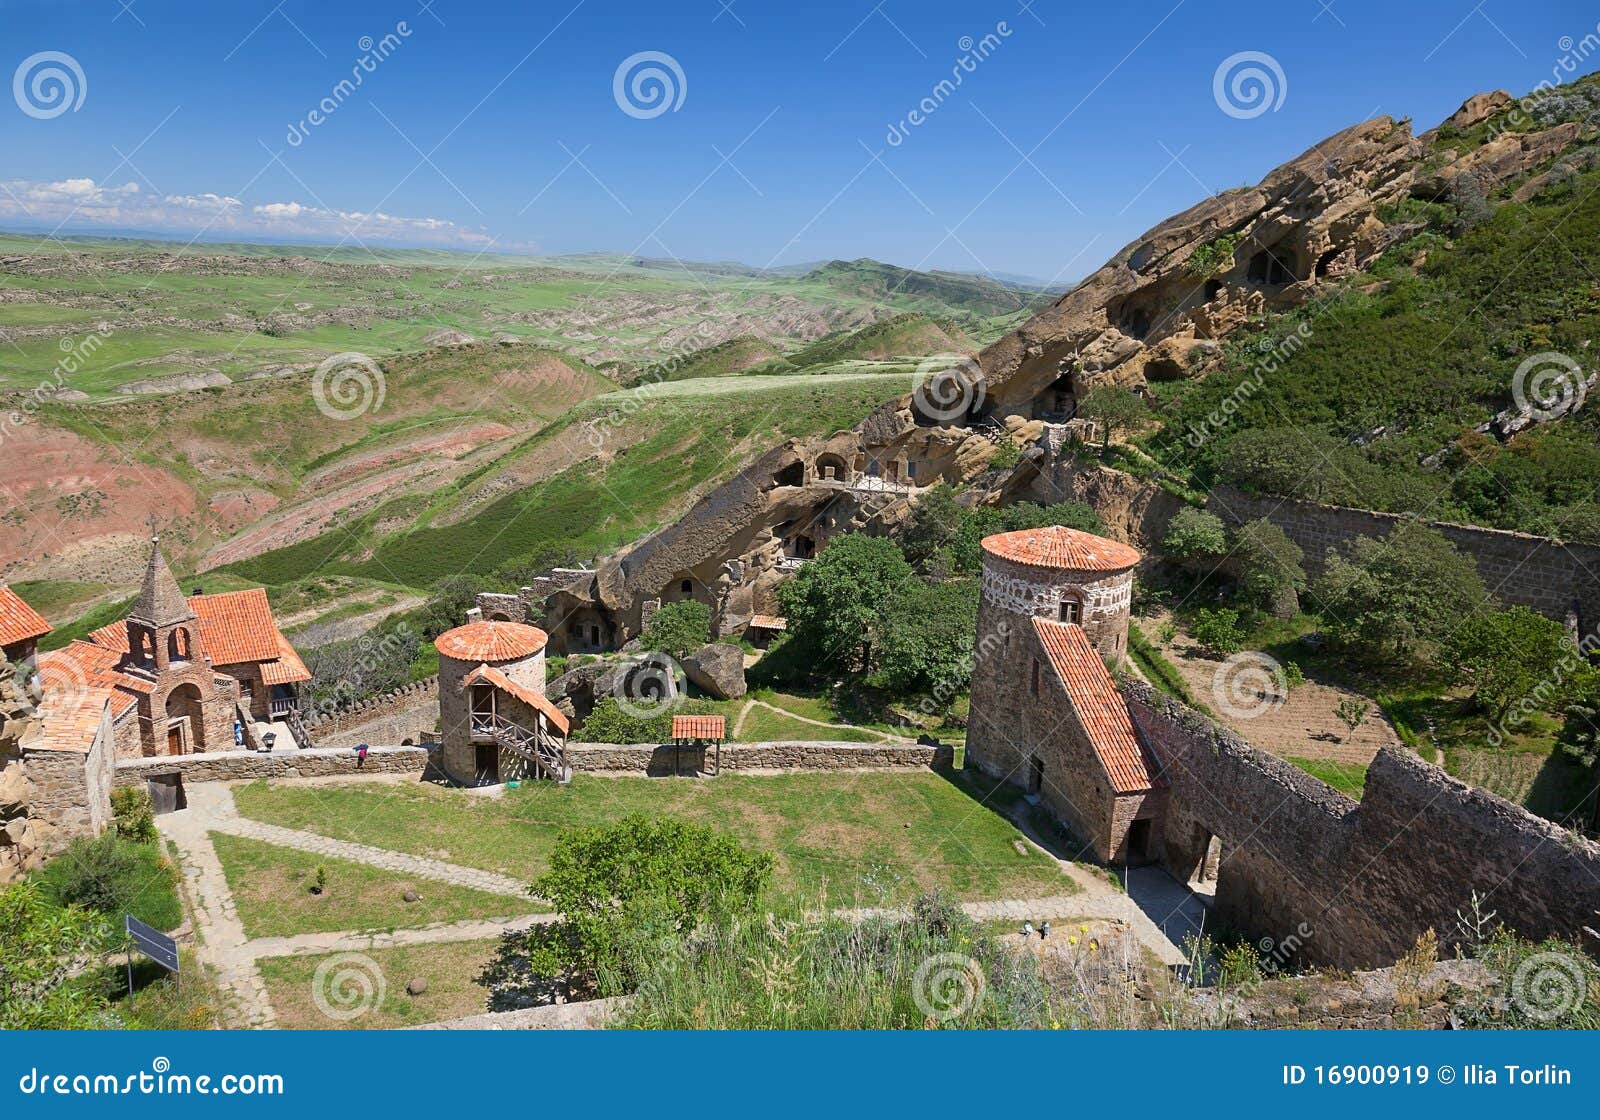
column 175, row 739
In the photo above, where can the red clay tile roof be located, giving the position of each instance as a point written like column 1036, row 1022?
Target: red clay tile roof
column 83, row 669
column 1099, row 705
column 237, row 626
column 1056, row 546
column 491, row 641
column 768, row 622
column 287, row 669
column 699, row 727
column 532, row 697
column 18, row 621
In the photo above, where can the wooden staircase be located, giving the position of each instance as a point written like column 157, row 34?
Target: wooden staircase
column 539, row 747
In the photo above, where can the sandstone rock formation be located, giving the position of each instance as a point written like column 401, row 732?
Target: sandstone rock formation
column 717, row 670
column 1157, row 310
column 19, row 837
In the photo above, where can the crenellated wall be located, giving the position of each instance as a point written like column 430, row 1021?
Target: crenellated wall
column 1354, row 885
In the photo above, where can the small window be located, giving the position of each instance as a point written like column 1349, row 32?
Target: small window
column 1034, row 682
column 687, row 586
column 1072, row 612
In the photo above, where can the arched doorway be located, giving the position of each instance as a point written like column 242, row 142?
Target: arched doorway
column 185, row 730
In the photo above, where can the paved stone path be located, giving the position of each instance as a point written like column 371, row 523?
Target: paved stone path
column 420, row 866
column 219, row 934
column 346, row 941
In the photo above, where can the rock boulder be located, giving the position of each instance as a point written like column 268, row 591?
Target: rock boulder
column 717, row 670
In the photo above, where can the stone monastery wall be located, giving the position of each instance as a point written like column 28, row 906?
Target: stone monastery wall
column 1354, row 885
column 1540, row 573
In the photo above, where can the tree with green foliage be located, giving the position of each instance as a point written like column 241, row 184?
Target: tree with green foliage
column 613, row 882
column 1508, row 656
column 1291, row 462
column 1351, row 712
column 834, row 602
column 1218, row 631
column 1269, row 568
column 449, row 600
column 678, row 629
column 1395, row 599
column 935, row 523
column 1115, row 409
column 1195, row 538
column 1580, row 734
column 924, row 639
column 44, row 951
column 965, row 554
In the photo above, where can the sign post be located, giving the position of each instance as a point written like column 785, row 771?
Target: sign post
column 153, row 944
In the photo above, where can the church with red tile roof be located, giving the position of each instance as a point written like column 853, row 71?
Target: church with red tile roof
column 1046, row 713
column 174, row 677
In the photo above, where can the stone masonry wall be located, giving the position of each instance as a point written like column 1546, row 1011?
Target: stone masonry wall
column 1540, row 573
column 1355, row 885
column 69, row 792
column 233, row 766
column 651, row 759
column 406, row 713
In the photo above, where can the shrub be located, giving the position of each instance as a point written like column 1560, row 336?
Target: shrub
column 610, row 722
column 44, row 949
column 115, row 876
column 1214, row 257
column 134, row 813
column 1115, row 409
column 678, row 629
column 1218, row 631
column 654, row 877
column 1195, row 537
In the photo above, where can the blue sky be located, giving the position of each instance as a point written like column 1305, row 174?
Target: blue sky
column 494, row 125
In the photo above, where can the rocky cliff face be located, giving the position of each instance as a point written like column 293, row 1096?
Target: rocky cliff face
column 1156, row 310
column 17, row 850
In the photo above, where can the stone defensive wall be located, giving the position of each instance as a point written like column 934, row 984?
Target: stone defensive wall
column 285, row 762
column 651, row 759
column 409, row 712
column 1541, row 573
column 1351, row 884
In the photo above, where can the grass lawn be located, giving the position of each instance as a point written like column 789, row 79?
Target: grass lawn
column 849, row 838
column 451, row 969
column 1348, row 778
column 764, row 725
column 271, row 887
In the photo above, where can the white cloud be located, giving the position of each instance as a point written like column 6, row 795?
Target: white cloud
column 78, row 204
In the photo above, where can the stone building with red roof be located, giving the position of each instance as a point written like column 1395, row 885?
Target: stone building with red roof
column 1046, row 713
column 21, row 627
column 495, row 722
column 174, row 675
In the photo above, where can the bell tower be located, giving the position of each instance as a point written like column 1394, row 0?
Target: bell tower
column 162, row 633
